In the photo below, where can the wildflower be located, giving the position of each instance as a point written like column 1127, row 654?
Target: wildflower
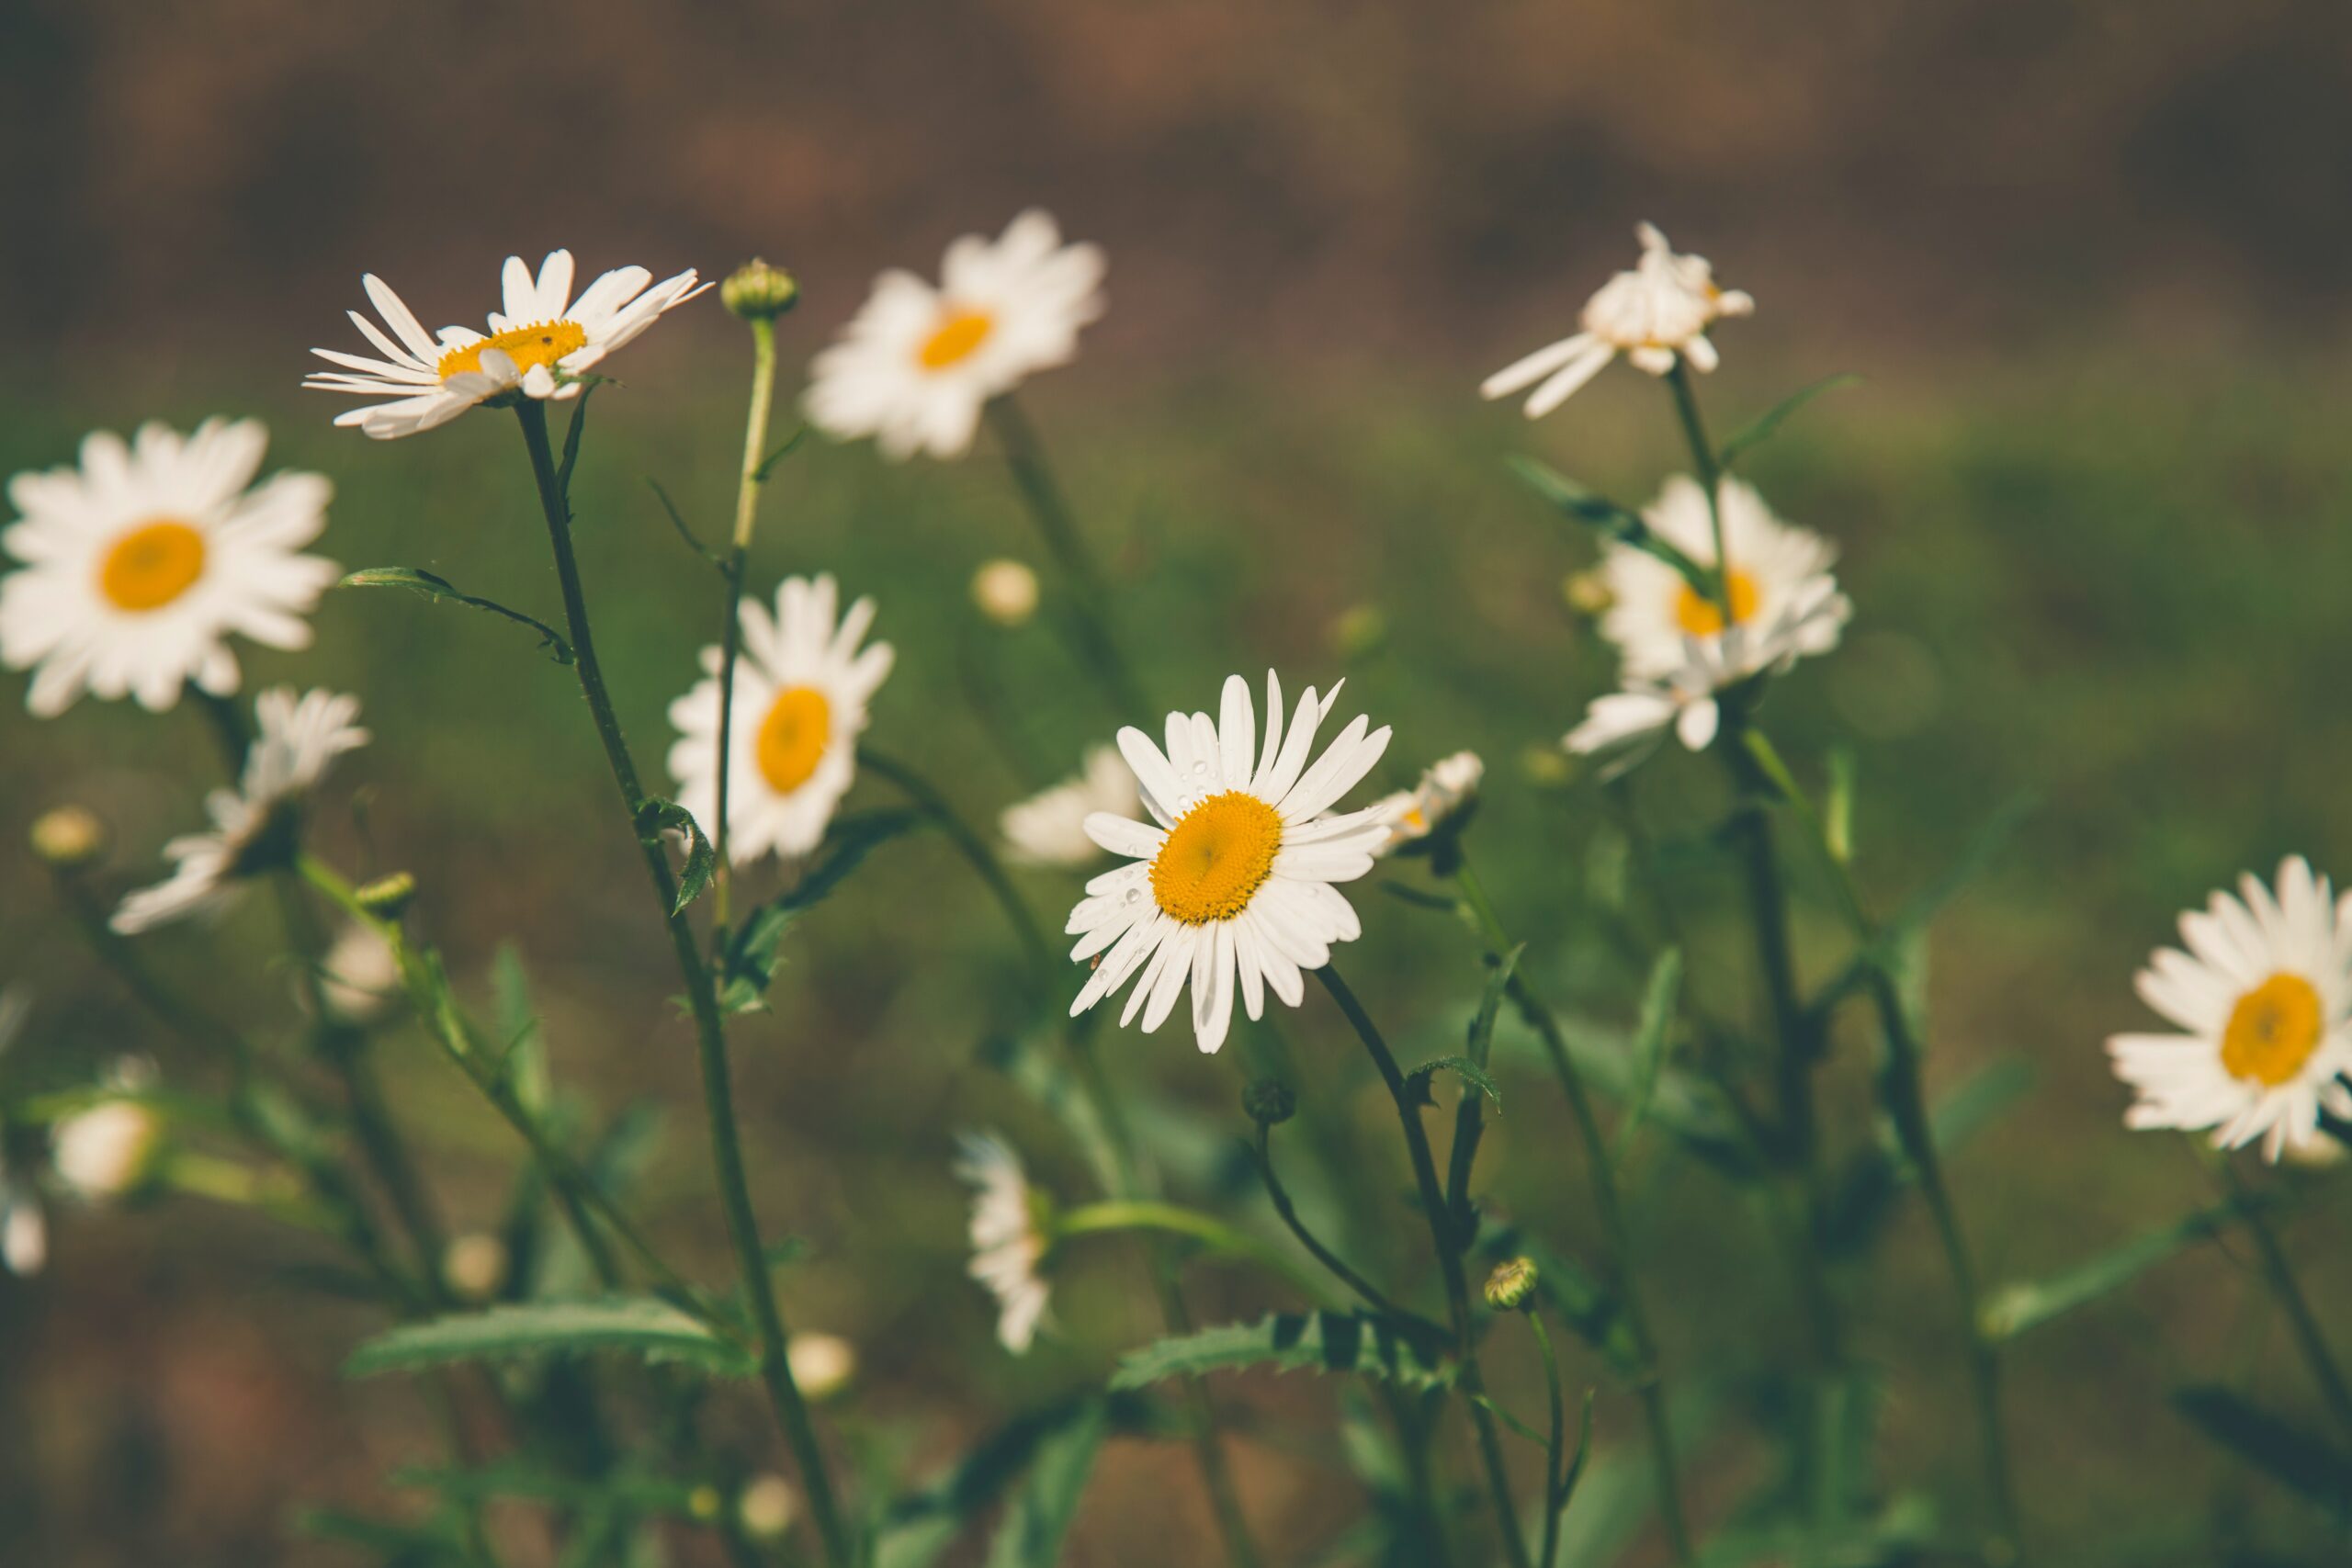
column 359, row 978
column 1412, row 814
column 474, row 1266
column 2263, row 994
column 1007, row 1237
column 68, row 838
column 1510, row 1284
column 822, row 1364
column 1236, row 880
column 108, row 1150
column 917, row 364
column 1654, row 315
column 1773, row 564
column 801, row 687
column 764, row 1508
column 142, row 560
column 23, row 1229
column 756, row 291
column 1006, row 591
column 1050, row 827
column 253, row 825
column 539, row 345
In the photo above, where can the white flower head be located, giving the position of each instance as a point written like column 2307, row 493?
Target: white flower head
column 539, row 345
column 1654, row 315
column 295, row 741
column 2260, row 988
column 108, row 1150
column 1411, row 815
column 917, row 364
column 1235, row 881
column 359, row 977
column 1653, row 610
column 1007, row 1240
column 822, row 1364
column 142, row 560
column 1050, row 827
column 801, row 687
column 1006, row 591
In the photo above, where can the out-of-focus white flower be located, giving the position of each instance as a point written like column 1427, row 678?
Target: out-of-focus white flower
column 2260, row 988
column 1007, row 1243
column 108, row 1150
column 766, row 1507
column 1006, row 591
column 1050, row 827
column 1411, row 815
column 140, row 561
column 474, row 1266
column 1654, row 315
column 822, row 1364
column 359, row 978
column 917, row 364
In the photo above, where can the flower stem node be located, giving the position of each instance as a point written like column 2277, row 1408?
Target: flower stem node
column 758, row 292
column 1512, row 1284
column 68, row 838
column 1270, row 1102
column 388, row 897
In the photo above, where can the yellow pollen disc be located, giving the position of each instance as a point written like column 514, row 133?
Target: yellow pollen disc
column 1697, row 615
column 151, row 565
column 1218, row 855
column 958, row 337
column 2273, row 1031
column 793, row 736
column 542, row 343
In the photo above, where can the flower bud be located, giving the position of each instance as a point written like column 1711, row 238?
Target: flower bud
column 1006, row 591
column 108, row 1150
column 765, row 1509
column 68, row 838
column 1270, row 1102
column 474, row 1266
column 388, row 897
column 1511, row 1284
column 822, row 1364
column 757, row 291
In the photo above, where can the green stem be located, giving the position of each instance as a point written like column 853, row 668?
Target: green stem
column 747, row 508
column 1306, row 1239
column 727, row 1154
column 1449, row 1246
column 2281, row 1279
column 1703, row 457
column 1171, row 1219
column 1601, row 1173
column 1555, row 1464
column 976, row 853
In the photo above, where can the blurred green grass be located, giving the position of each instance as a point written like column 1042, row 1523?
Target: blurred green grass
column 2115, row 589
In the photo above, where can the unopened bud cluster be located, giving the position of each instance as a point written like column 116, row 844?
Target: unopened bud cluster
column 757, row 291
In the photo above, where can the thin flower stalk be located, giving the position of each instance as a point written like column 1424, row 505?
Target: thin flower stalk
column 2278, row 1278
column 747, row 511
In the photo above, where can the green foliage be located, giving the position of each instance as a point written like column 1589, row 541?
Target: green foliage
column 1651, row 1036
column 1039, row 1516
column 1769, row 423
column 417, row 580
column 749, row 968
column 2300, row 1459
column 650, row 1326
column 2028, row 1304
column 1286, row 1341
column 1605, row 518
column 656, row 816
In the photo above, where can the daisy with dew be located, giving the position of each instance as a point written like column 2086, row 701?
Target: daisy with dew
column 1050, row 827
column 140, row 562
column 1232, row 881
column 1412, row 814
column 296, row 740
column 1008, row 1235
column 1653, row 609
column 539, row 345
column 2260, row 990
column 801, row 687
column 1656, row 315
column 917, row 364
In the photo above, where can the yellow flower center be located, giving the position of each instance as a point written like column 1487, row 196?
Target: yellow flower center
column 958, row 337
column 793, row 736
column 1216, row 857
column 151, row 565
column 2273, row 1031
column 1699, row 615
column 541, row 342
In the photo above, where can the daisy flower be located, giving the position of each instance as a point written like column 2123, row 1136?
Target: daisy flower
column 1412, row 814
column 296, row 739
column 1050, row 827
column 1007, row 1237
column 538, row 346
column 1235, row 881
column 2262, row 993
column 140, row 561
column 1654, row 315
column 801, row 687
column 1653, row 609
column 108, row 1150
column 917, row 364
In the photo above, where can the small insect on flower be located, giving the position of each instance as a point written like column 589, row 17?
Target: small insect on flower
column 1412, row 814
column 1007, row 1240
column 140, row 561
column 1654, row 315
column 2260, row 988
column 1653, row 609
column 1235, row 881
column 254, row 826
column 1050, row 827
column 916, row 365
column 539, row 345
column 801, row 688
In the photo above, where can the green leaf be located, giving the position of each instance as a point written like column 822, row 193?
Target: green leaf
column 2301, row 1461
column 1864, row 1198
column 678, row 522
column 1837, row 806
column 571, row 434
column 767, row 464
column 649, row 1326
column 1606, row 518
column 917, row 1528
column 657, row 816
column 749, row 965
column 1769, row 425
column 397, row 1544
column 432, row 587
column 1322, row 1341
column 2029, row 1304
column 1039, row 1516
column 1650, row 1037
column 1470, row 1072
column 516, row 1019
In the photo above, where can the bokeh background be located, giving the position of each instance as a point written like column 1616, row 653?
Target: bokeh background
column 2088, row 257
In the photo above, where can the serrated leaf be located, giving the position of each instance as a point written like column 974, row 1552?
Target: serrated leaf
column 2300, row 1459
column 1286, row 1341
column 1031, row 1533
column 417, row 580
column 1769, row 425
column 642, row 1324
column 656, row 816
column 2029, row 1304
column 749, row 965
